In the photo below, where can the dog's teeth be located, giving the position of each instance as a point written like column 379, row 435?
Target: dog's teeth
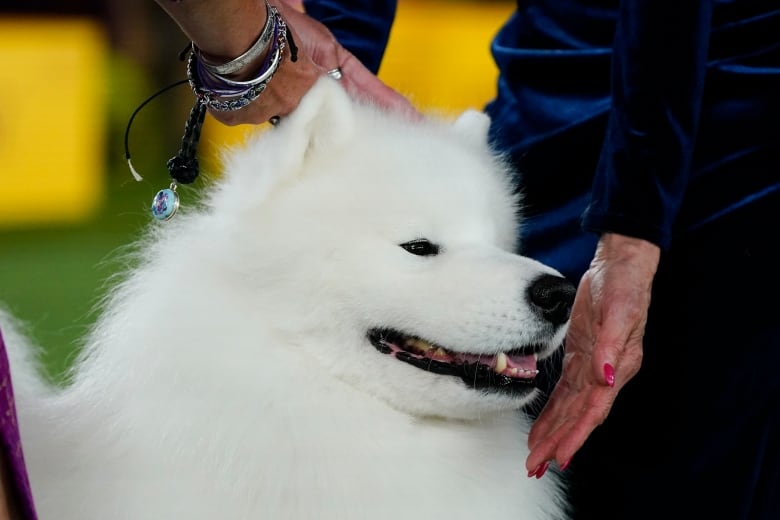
column 513, row 371
column 500, row 365
column 440, row 354
column 419, row 345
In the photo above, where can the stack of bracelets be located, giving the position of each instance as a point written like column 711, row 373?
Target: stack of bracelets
column 214, row 90
column 210, row 82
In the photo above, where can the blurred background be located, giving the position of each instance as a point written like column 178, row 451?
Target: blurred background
column 73, row 73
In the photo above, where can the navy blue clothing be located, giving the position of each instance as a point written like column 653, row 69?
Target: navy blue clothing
column 656, row 119
column 668, row 113
column 362, row 26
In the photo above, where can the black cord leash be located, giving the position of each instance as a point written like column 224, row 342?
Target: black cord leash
column 132, row 118
column 183, row 167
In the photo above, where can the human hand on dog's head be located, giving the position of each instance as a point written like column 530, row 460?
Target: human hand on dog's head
column 603, row 349
column 319, row 45
column 226, row 31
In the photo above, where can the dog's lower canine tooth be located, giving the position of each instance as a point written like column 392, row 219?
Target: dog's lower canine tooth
column 500, row 363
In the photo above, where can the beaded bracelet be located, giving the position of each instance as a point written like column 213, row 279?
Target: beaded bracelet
column 257, row 49
column 222, row 94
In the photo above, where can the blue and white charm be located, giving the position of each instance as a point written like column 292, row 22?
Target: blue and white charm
column 165, row 203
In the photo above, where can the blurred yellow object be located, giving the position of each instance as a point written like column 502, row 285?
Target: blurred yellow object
column 438, row 56
column 52, row 121
column 439, row 52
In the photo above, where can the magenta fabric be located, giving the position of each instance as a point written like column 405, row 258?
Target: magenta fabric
column 11, row 442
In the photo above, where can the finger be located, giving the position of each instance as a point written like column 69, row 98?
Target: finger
column 562, row 429
column 551, row 417
column 568, row 395
column 546, row 448
column 622, row 321
column 575, row 436
column 555, row 422
column 362, row 83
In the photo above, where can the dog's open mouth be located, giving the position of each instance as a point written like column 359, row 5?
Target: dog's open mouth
column 513, row 370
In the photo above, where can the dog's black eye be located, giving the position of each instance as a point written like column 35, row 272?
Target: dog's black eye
column 421, row 247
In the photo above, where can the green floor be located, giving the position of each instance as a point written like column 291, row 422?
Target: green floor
column 51, row 278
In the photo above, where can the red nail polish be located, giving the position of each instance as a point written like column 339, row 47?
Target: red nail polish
column 609, row 374
column 532, row 472
column 565, row 465
column 542, row 470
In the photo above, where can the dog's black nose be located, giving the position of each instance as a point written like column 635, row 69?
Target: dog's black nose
column 552, row 296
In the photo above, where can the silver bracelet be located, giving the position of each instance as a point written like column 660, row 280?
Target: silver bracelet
column 257, row 48
column 213, row 92
column 264, row 76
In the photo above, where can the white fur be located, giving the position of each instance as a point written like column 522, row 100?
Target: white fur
column 230, row 375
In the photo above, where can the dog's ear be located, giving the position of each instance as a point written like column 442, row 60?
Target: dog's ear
column 473, row 125
column 323, row 120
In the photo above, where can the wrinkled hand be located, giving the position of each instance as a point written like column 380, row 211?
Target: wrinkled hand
column 318, row 52
column 603, row 348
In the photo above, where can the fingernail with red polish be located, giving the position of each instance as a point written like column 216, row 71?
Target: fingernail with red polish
column 565, row 465
column 542, row 470
column 533, row 472
column 609, row 374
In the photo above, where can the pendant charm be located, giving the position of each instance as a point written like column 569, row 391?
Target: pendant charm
column 165, row 203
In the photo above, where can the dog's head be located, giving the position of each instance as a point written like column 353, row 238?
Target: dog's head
column 385, row 249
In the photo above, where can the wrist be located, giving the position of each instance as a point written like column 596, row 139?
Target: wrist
column 215, row 90
column 252, row 59
column 221, row 30
column 614, row 246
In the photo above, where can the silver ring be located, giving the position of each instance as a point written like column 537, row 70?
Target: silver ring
column 335, row 73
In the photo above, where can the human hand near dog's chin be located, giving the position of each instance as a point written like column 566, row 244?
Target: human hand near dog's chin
column 603, row 349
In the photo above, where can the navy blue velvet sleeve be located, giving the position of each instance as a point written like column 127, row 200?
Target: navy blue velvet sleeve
column 361, row 26
column 659, row 63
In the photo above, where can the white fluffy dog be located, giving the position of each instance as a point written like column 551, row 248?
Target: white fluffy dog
column 342, row 331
